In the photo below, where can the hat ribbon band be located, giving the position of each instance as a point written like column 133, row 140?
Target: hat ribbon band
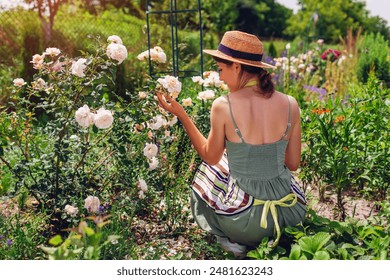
column 239, row 54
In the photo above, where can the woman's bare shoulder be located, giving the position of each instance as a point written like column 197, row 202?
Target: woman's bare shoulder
column 220, row 106
column 221, row 101
column 291, row 98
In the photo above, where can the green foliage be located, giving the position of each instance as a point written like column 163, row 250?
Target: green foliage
column 374, row 55
column 272, row 50
column 335, row 17
column 83, row 242
column 343, row 146
column 19, row 236
column 318, row 238
column 14, row 27
column 51, row 151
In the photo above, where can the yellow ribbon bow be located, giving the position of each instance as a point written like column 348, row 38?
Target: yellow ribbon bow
column 271, row 205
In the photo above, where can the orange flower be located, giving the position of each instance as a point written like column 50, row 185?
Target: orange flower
column 339, row 119
column 320, row 111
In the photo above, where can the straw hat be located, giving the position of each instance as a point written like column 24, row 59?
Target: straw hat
column 241, row 47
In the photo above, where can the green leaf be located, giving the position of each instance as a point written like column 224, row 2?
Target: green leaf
column 88, row 231
column 343, row 253
column 295, row 252
column 49, row 250
column 312, row 244
column 89, row 253
column 321, row 255
column 56, row 240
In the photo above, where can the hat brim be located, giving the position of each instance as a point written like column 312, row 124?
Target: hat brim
column 220, row 54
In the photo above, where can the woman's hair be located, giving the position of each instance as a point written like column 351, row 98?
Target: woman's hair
column 265, row 82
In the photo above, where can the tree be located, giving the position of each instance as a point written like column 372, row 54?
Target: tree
column 47, row 10
column 330, row 19
column 133, row 7
column 265, row 18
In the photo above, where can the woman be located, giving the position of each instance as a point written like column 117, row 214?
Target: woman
column 248, row 192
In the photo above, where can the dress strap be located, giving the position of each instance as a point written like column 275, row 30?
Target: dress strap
column 289, row 118
column 234, row 122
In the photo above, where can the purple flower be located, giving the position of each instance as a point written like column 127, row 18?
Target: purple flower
column 9, row 242
column 315, row 89
column 269, row 60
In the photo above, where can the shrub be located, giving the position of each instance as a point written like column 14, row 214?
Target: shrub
column 374, row 57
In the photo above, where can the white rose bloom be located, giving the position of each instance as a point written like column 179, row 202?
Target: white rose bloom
column 19, row 82
column 158, row 49
column 78, row 67
column 52, row 52
column 103, row 118
column 142, row 56
column 156, row 54
column 71, row 210
column 38, row 66
column 83, row 116
column 153, row 163
column 141, row 195
column 117, row 52
column 39, row 84
column 187, row 102
column 156, row 122
column 57, row 67
column 142, row 95
column 171, row 84
column 212, row 79
column 197, row 79
column 205, row 95
column 172, row 121
column 115, row 39
column 37, row 58
column 37, row 61
column 162, row 57
column 142, row 185
column 92, row 204
column 153, row 55
column 150, row 150
column 224, row 86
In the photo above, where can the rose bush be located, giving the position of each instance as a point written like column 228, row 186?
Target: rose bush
column 60, row 145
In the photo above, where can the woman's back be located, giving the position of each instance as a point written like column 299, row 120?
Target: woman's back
column 261, row 120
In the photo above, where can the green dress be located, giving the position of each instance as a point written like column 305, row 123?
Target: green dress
column 224, row 199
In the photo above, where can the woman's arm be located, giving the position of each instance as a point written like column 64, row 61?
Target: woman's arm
column 210, row 149
column 293, row 151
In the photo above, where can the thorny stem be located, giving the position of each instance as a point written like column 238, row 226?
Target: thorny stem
column 86, row 152
column 99, row 164
column 61, row 135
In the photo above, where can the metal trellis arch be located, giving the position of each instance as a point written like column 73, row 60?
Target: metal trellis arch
column 173, row 13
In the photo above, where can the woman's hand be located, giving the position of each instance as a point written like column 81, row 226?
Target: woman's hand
column 167, row 103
